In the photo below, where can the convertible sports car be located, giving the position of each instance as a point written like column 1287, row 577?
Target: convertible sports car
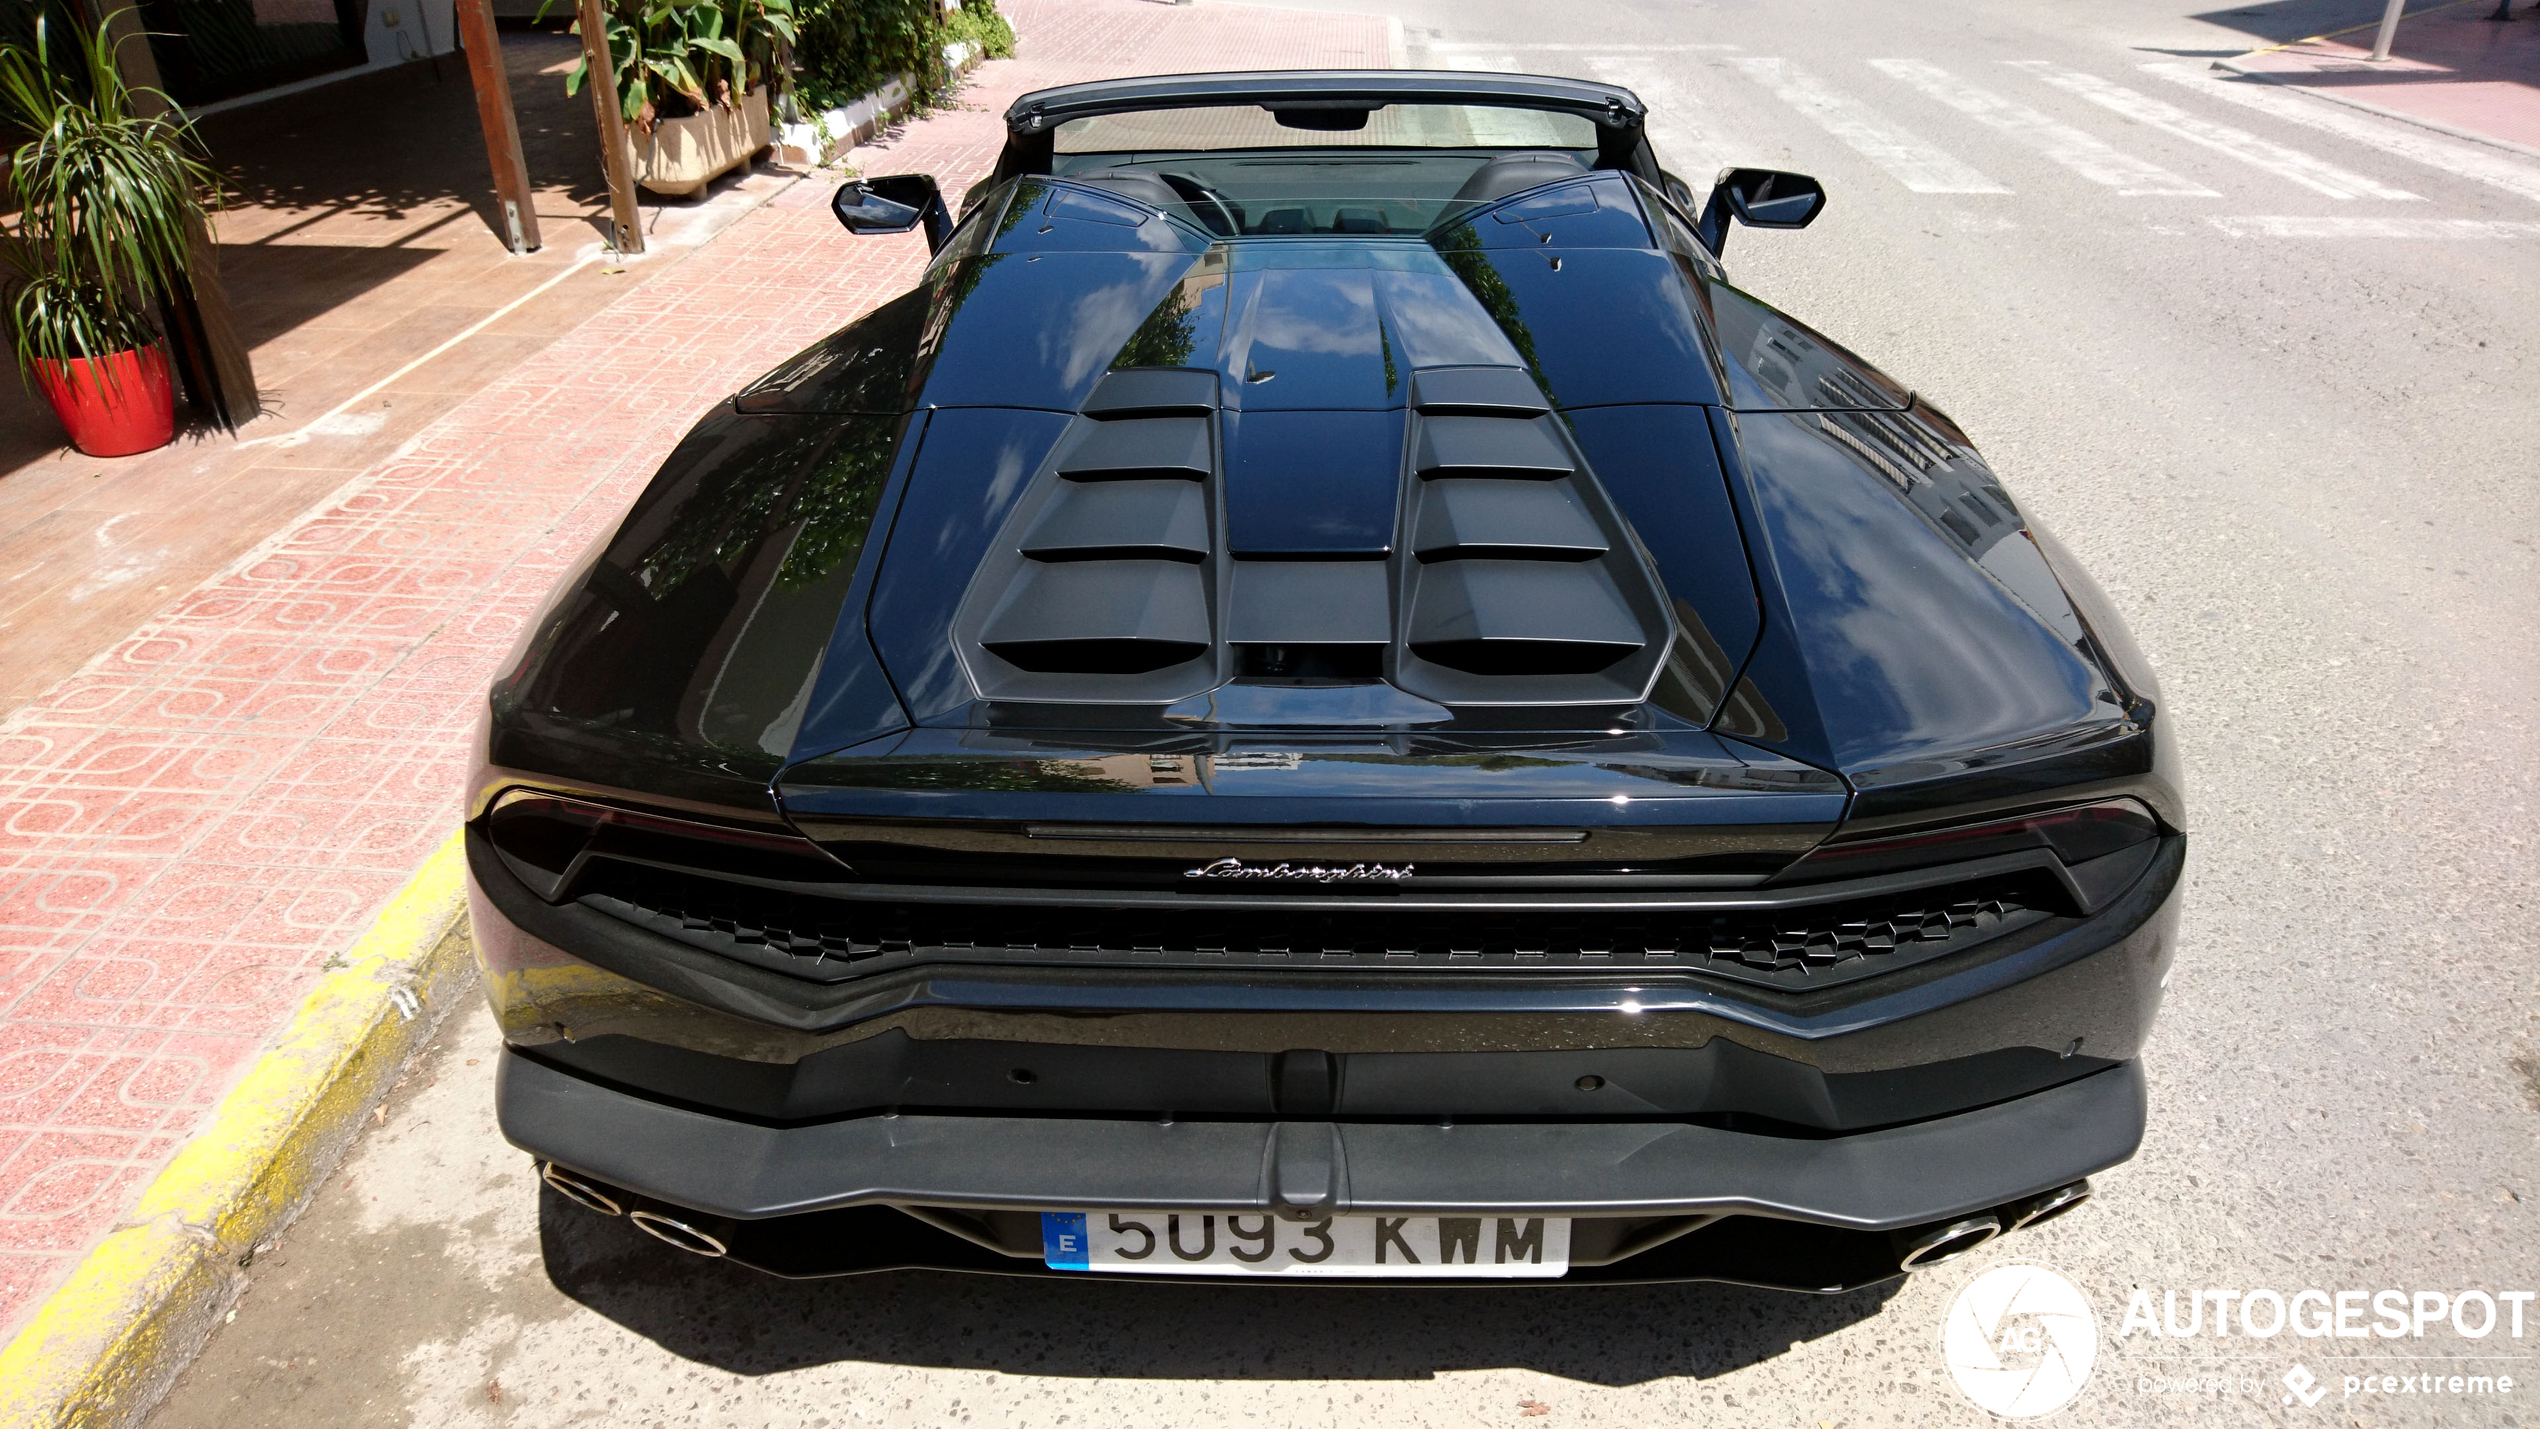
column 1326, row 699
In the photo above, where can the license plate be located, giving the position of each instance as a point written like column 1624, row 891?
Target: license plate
column 1159, row 1243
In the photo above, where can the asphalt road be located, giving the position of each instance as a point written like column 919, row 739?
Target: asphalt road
column 2269, row 366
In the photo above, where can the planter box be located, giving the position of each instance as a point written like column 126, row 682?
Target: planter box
column 681, row 156
column 824, row 136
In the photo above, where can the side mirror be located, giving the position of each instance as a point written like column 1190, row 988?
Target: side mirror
column 894, row 205
column 1760, row 198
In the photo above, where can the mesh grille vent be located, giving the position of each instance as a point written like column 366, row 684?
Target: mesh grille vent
column 1811, row 946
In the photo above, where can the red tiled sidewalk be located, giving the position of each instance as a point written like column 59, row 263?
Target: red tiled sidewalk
column 2452, row 68
column 196, row 821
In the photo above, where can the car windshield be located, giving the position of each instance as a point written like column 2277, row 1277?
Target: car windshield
column 1242, row 170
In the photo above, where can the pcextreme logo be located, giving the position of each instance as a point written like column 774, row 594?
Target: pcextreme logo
column 2019, row 1340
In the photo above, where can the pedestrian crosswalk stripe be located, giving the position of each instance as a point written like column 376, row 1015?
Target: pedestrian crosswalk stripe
column 1687, row 134
column 1907, row 156
column 2452, row 156
column 2345, row 226
column 2315, row 174
column 2092, row 158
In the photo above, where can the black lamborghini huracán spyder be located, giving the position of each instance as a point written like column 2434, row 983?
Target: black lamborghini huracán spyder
column 1326, row 699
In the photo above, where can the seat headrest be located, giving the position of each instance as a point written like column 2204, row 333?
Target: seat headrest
column 1135, row 186
column 1515, row 173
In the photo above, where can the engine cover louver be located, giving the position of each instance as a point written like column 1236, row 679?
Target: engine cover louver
column 1523, row 585
column 1108, row 584
column 1113, row 583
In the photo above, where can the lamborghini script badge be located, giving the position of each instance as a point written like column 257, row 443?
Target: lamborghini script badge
column 1310, row 872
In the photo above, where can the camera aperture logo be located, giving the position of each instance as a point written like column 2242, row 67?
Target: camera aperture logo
column 2019, row 1340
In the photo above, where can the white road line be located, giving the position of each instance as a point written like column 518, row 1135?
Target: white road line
column 2391, row 136
column 1687, row 133
column 2340, row 226
column 1912, row 160
column 2248, row 148
column 2083, row 153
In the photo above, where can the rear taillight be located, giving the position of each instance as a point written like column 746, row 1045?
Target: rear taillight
column 2075, row 835
column 544, row 840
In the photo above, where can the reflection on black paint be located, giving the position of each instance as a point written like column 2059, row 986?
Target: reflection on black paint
column 695, row 635
column 1697, row 673
column 868, row 366
column 952, row 286
column 1914, row 652
column 1168, row 336
column 1777, row 364
column 1186, row 323
column 1748, row 715
column 973, row 465
column 1461, row 247
column 982, row 774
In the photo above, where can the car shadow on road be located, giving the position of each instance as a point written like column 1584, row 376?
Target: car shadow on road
column 745, row 1322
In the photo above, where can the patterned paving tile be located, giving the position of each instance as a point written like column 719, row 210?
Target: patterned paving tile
column 193, row 823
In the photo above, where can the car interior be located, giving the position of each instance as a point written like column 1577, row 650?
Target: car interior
column 1270, row 184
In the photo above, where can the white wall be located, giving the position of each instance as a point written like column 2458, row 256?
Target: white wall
column 421, row 28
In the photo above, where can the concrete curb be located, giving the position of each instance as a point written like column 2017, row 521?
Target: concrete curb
column 107, row 1343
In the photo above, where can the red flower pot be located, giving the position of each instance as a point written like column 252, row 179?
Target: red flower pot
column 116, row 405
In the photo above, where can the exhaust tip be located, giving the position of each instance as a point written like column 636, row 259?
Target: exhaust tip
column 678, row 1233
column 2047, row 1207
column 581, row 1193
column 1939, row 1246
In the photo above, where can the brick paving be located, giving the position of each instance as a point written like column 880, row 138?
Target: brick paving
column 354, row 238
column 195, row 821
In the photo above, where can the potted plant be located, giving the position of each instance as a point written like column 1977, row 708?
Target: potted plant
column 107, row 199
column 694, row 79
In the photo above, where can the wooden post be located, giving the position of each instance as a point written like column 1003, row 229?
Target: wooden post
column 494, row 114
column 615, row 155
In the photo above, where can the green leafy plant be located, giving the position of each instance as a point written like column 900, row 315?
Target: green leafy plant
column 679, row 57
column 108, row 201
column 849, row 48
column 978, row 23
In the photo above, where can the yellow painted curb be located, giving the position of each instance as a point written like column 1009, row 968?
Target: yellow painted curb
column 103, row 1348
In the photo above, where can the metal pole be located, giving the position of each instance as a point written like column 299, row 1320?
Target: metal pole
column 2389, row 29
column 625, row 223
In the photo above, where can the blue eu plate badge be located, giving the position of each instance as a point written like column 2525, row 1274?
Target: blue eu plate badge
column 1063, row 1240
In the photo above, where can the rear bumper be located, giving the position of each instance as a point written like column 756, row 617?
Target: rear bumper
column 1856, row 1188
column 1873, row 1180
column 923, row 1118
